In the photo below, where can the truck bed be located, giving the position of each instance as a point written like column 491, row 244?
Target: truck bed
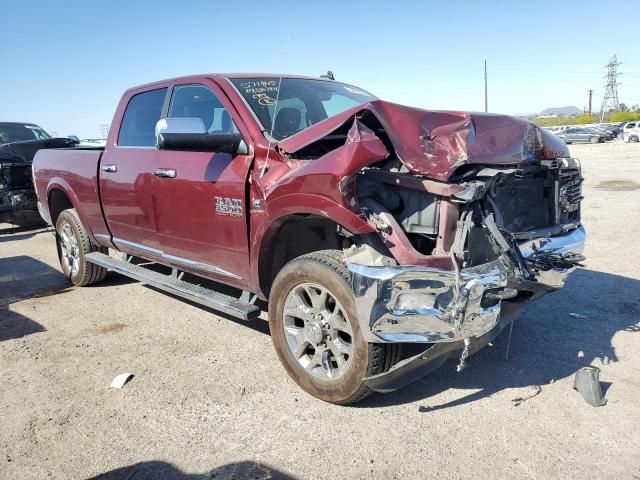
column 75, row 172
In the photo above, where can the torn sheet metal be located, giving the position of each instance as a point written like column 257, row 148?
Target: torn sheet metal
column 329, row 173
column 435, row 143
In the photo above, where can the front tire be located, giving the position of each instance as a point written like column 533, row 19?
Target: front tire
column 315, row 331
column 594, row 140
column 633, row 139
column 73, row 244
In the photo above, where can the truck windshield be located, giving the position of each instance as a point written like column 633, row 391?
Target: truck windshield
column 19, row 132
column 301, row 102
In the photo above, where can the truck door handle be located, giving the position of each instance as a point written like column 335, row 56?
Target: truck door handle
column 110, row 168
column 165, row 172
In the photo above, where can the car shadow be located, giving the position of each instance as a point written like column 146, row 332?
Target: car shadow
column 20, row 233
column 257, row 324
column 21, row 222
column 165, row 471
column 551, row 340
column 15, row 325
column 25, row 277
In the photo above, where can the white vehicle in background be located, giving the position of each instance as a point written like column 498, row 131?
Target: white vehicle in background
column 631, row 134
column 631, row 126
column 558, row 130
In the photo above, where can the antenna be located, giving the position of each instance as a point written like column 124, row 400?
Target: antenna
column 275, row 106
column 486, row 100
column 611, row 88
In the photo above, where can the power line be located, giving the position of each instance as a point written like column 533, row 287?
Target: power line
column 610, row 99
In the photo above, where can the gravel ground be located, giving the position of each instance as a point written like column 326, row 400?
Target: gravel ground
column 209, row 398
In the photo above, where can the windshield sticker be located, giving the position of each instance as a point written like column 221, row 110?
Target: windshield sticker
column 260, row 86
column 264, row 99
column 261, row 90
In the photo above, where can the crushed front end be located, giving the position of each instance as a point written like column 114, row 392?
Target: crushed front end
column 16, row 187
column 17, row 194
column 473, row 216
column 463, row 257
column 500, row 234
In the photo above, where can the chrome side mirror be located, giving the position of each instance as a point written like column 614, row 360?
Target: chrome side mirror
column 180, row 125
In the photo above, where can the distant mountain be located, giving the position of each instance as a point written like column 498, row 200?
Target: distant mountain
column 561, row 111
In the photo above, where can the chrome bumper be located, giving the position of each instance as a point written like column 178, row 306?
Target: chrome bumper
column 428, row 305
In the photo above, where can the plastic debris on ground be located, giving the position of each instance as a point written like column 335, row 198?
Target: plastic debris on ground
column 587, row 383
column 120, row 380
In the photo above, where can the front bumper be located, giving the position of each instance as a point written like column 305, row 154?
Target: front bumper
column 14, row 200
column 427, row 305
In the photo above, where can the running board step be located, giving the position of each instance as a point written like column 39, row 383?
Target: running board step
column 204, row 296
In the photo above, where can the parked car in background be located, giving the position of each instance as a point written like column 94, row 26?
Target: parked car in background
column 557, row 130
column 613, row 129
column 19, row 142
column 581, row 135
column 630, row 126
column 632, row 134
column 600, row 131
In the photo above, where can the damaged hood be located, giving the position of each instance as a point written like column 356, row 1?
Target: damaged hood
column 23, row 152
column 435, row 143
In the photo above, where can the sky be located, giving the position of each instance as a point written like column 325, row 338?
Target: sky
column 64, row 65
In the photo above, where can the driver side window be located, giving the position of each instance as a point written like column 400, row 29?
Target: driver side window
column 200, row 102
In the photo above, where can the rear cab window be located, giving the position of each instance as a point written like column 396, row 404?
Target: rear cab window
column 138, row 125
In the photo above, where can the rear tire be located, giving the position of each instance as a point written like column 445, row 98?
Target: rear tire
column 633, row 139
column 320, row 321
column 73, row 244
column 594, row 140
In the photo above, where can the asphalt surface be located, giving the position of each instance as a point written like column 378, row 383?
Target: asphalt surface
column 209, row 399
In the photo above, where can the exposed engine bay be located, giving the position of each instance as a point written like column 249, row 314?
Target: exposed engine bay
column 494, row 238
column 16, row 184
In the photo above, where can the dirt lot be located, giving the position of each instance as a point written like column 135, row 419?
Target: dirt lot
column 209, row 398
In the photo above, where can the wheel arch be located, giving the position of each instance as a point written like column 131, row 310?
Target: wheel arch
column 289, row 228
column 60, row 196
column 292, row 236
column 58, row 201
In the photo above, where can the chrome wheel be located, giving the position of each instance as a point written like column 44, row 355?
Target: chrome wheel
column 69, row 249
column 318, row 331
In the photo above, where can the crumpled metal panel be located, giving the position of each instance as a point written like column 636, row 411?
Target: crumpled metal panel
column 409, row 304
column 421, row 304
column 435, row 143
column 324, row 174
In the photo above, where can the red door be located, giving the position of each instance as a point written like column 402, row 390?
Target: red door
column 127, row 175
column 201, row 212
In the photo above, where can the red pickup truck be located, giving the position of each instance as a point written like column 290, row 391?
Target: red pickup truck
column 385, row 239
